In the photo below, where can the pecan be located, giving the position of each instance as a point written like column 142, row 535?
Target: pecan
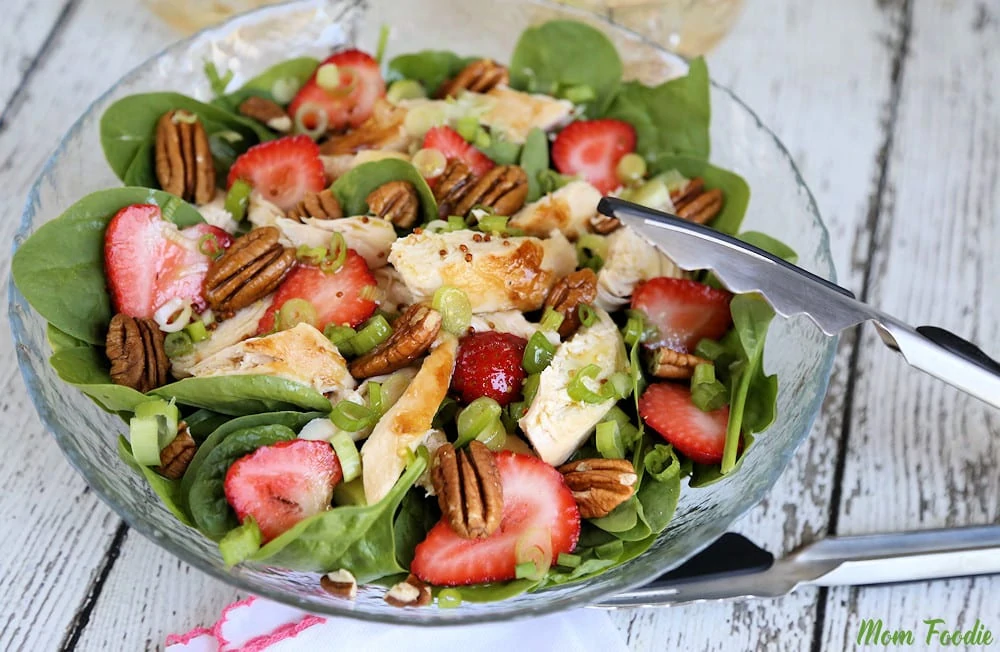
column 479, row 77
column 693, row 188
column 267, row 112
column 396, row 201
column 383, row 130
column 667, row 363
column 184, row 165
column 340, row 583
column 174, row 459
column 251, row 268
column 320, row 205
column 504, row 189
column 135, row 349
column 467, row 484
column 696, row 204
column 411, row 592
column 604, row 224
column 572, row 291
column 413, row 333
column 454, row 183
column 599, row 485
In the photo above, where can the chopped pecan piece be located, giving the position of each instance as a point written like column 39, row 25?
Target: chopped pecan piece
column 184, row 164
column 454, row 183
column 411, row 592
column 599, row 485
column 340, row 583
column 604, row 224
column 479, row 77
column 174, row 459
column 504, row 189
column 667, row 363
column 693, row 188
column 467, row 484
column 320, row 205
column 135, row 349
column 413, row 333
column 251, row 268
column 383, row 130
column 567, row 294
column 267, row 112
column 696, row 204
column 396, row 201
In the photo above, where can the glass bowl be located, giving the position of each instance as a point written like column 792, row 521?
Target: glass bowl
column 800, row 355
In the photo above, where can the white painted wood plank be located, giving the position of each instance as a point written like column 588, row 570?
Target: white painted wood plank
column 921, row 454
column 55, row 531
column 824, row 102
column 26, row 25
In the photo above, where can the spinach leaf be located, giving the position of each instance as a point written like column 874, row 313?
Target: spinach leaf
column 244, row 394
column 535, row 159
column 85, row 368
column 353, row 188
column 502, row 151
column 417, row 515
column 60, row 341
column 659, row 494
column 360, row 539
column 703, row 475
column 669, row 119
column 496, row 591
column 60, row 268
column 294, row 72
column 770, row 245
column 599, row 552
column 567, row 58
column 429, row 67
column 128, row 127
column 734, row 188
column 168, row 490
column 201, row 423
column 207, row 498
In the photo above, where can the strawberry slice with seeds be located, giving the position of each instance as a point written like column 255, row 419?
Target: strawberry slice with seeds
column 683, row 311
column 452, row 145
column 592, row 149
column 148, row 261
column 536, row 499
column 348, row 104
column 282, row 171
column 338, row 297
column 282, row 484
column 701, row 436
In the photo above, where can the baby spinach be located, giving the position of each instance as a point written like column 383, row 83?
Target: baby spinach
column 417, row 515
column 85, row 368
column 357, row 538
column 429, row 67
column 60, row 341
column 294, row 72
column 244, row 394
column 569, row 59
column 535, row 159
column 168, row 490
column 770, row 245
column 206, row 499
column 201, row 423
column 496, row 591
column 128, row 129
column 669, row 119
column 353, row 188
column 734, row 188
column 60, row 268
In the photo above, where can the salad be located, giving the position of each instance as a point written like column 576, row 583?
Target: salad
column 362, row 318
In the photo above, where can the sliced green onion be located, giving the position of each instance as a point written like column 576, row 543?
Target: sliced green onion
column 631, row 169
column 449, row 598
column 634, row 329
column 347, row 455
column 674, row 180
column 429, row 162
column 567, row 560
column 457, row 223
column 578, row 94
column 240, row 542
column 709, row 349
column 533, row 554
column 586, row 314
column 197, row 331
column 467, row 127
column 238, row 198
column 578, row 391
column 591, row 250
column 320, row 120
column 383, row 42
column 551, row 320
column 420, row 119
column 617, row 415
column 455, row 309
column 703, row 373
column 296, row 311
column 177, row 344
column 493, row 224
column 161, row 408
column 310, row 255
column 618, row 386
column 482, row 139
column 538, row 353
column 215, row 80
column 404, row 89
column 477, row 418
column 208, row 245
column 609, row 440
column 328, row 76
column 144, row 436
column 707, row 393
column 374, row 331
column 530, row 387
column 527, row 571
column 337, row 256
column 284, row 90
column 340, row 337
column 375, row 400
column 495, row 437
column 351, row 417
column 654, row 193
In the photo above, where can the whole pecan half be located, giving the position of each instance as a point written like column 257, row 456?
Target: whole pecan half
column 504, row 189
column 267, row 112
column 667, row 363
column 383, row 130
column 604, row 224
column 413, row 333
column 184, row 165
column 696, row 204
column 454, row 183
column 397, row 202
column 411, row 592
column 568, row 294
column 467, row 483
column 251, row 268
column 599, row 485
column 135, row 349
column 174, row 459
column 321, row 205
column 479, row 77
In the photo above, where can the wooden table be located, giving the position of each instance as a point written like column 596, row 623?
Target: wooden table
column 891, row 109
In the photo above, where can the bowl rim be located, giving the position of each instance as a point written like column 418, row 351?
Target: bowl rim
column 582, row 594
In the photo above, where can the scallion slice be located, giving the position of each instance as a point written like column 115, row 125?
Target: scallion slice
column 566, row 560
column 238, row 198
column 449, row 598
column 477, row 418
column 455, row 309
column 161, row 408
column 177, row 344
column 347, row 455
column 578, row 391
column 337, row 256
column 296, row 311
column 240, row 542
column 538, row 353
column 609, row 440
column 351, row 417
column 374, row 331
column 493, row 224
column 197, row 331
column 311, row 255
column 586, row 314
column 144, row 436
column 375, row 400
column 551, row 320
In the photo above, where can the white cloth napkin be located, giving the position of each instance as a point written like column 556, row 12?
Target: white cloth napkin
column 256, row 625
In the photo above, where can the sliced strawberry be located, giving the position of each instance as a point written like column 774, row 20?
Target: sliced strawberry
column 683, row 311
column 535, row 500
column 701, row 436
column 281, row 170
column 489, row 364
column 148, row 261
column 592, row 149
column 337, row 297
column 282, row 484
column 352, row 102
column 452, row 145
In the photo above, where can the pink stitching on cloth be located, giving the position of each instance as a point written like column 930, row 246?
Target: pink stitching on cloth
column 285, row 632
column 217, row 627
column 184, row 639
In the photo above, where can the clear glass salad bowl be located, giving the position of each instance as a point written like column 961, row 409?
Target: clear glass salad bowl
column 782, row 205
